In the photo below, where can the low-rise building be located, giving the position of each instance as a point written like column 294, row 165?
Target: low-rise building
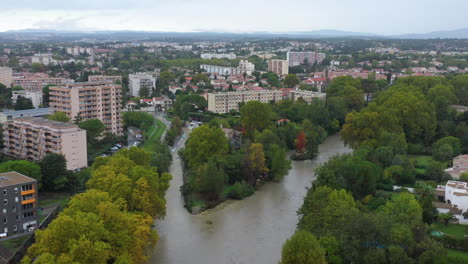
column 20, row 203
column 32, row 138
column 307, row 96
column 223, row 102
column 454, row 197
column 35, row 97
column 280, row 67
column 209, row 56
column 6, row 76
column 105, row 78
column 10, row 115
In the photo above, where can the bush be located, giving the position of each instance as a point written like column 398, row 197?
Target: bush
column 416, row 149
column 239, row 190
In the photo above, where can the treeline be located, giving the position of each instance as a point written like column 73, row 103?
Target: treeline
column 174, row 131
column 112, row 221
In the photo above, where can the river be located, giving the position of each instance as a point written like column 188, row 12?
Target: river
column 249, row 231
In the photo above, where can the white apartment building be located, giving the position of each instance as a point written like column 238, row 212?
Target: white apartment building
column 43, row 58
column 244, row 66
column 33, row 138
column 307, row 96
column 223, row 102
column 6, row 76
column 298, row 58
column 78, row 50
column 139, row 80
column 209, row 56
column 455, row 194
column 280, row 67
column 34, row 96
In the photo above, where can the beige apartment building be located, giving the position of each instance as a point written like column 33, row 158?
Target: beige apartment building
column 223, row 102
column 6, row 76
column 104, row 78
column 35, row 84
column 307, row 96
column 90, row 100
column 32, row 138
column 280, row 67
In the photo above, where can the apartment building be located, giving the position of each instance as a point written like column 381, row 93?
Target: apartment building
column 244, row 66
column 32, row 138
column 105, row 78
column 298, row 58
column 140, row 80
column 6, row 76
column 36, row 83
column 35, row 97
column 223, row 102
column 280, row 67
column 209, row 56
column 20, row 203
column 307, row 96
column 90, row 100
column 43, row 58
column 78, row 50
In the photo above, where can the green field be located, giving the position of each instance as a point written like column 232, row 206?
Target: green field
column 456, row 256
column 457, row 231
column 154, row 133
column 13, row 244
column 52, row 199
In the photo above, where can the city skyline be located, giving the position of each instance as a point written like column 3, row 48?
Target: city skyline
column 209, row 15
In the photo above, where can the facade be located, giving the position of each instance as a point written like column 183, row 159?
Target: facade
column 35, row 97
column 280, row 67
column 455, row 196
column 78, row 50
column 43, row 58
column 6, row 76
column 10, row 115
column 298, row 58
column 209, row 56
column 20, row 203
column 35, row 84
column 139, row 80
column 104, row 78
column 91, row 100
column 32, row 138
column 307, row 96
column 223, row 102
column 244, row 66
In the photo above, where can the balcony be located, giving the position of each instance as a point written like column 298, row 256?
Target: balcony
column 28, row 192
column 32, row 200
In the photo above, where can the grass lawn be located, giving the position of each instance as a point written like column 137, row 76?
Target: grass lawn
column 457, row 256
column 154, row 133
column 13, row 244
column 47, row 200
column 457, row 231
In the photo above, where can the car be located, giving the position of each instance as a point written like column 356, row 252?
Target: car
column 114, row 148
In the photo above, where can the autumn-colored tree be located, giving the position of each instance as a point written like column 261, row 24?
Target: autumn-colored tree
column 301, row 142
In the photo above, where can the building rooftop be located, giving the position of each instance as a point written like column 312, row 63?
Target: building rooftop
column 28, row 111
column 45, row 122
column 14, row 178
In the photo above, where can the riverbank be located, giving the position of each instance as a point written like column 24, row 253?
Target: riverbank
column 237, row 231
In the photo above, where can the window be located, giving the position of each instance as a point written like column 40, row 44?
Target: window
column 14, row 209
column 5, row 201
column 26, row 187
column 4, row 220
column 16, row 190
column 15, row 228
column 16, row 199
column 4, row 210
column 4, row 192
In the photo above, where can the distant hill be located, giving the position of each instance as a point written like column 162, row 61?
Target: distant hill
column 458, row 33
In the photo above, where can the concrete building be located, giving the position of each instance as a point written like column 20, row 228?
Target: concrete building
column 10, row 115
column 140, row 80
column 35, row 84
column 20, row 203
column 307, row 96
column 455, row 199
column 32, row 138
column 223, row 102
column 104, row 78
column 35, row 97
column 244, row 66
column 43, row 58
column 298, row 58
column 209, row 56
column 78, row 50
column 91, row 100
column 6, row 76
column 280, row 67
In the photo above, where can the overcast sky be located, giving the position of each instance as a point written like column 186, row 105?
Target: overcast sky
column 370, row 16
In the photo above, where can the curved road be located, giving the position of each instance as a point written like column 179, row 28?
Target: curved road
column 249, row 231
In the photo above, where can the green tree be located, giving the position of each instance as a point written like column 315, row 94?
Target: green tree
column 446, row 148
column 54, row 172
column 445, row 217
column 255, row 116
column 280, row 164
column 59, row 116
column 291, row 80
column 166, row 77
column 23, row 103
column 302, row 248
column 210, row 180
column 204, row 143
column 94, row 129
